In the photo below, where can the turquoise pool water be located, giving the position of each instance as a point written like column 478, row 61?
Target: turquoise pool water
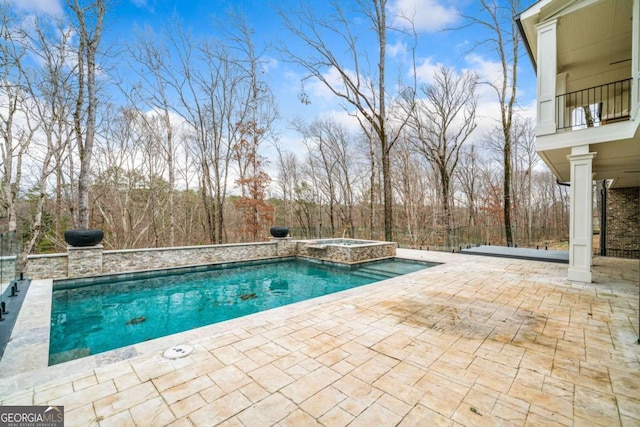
column 90, row 316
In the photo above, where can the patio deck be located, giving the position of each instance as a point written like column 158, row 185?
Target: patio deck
column 474, row 341
column 519, row 253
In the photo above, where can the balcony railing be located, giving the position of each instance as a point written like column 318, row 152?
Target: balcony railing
column 595, row 106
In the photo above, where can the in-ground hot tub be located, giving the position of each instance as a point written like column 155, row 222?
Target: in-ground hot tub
column 345, row 250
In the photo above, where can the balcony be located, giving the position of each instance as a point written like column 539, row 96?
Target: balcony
column 595, row 106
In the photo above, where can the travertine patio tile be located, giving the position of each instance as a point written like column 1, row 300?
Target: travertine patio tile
column 184, row 390
column 246, row 365
column 219, row 410
column 550, row 404
column 374, row 368
column 332, row 357
column 289, row 343
column 536, row 420
column 441, row 399
column 628, row 421
column 120, row 419
column 268, row 411
column 229, row 378
column 548, row 417
column 125, row 399
column 396, row 405
column 270, row 378
column 308, row 385
column 461, row 376
column 601, row 384
column 376, row 415
column 298, row 418
column 398, row 389
column 599, row 408
column 530, row 378
column 315, row 348
column 104, row 373
column 274, row 350
column 54, row 393
column 126, row 381
column 557, row 387
column 305, row 333
column 629, row 408
column 541, row 363
column 469, row 415
column 89, row 394
column 337, row 417
column 186, row 406
column 212, row 393
column 85, row 382
column 407, row 373
column 249, row 343
column 227, row 354
column 231, row 422
column 417, row 416
column 625, row 382
column 323, row 401
column 82, row 416
column 152, row 412
column 259, row 357
column 151, row 367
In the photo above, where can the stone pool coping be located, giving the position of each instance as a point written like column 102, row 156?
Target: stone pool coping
column 28, row 348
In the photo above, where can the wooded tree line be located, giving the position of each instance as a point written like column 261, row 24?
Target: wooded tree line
column 172, row 140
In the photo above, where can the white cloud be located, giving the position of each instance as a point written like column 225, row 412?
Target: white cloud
column 47, row 7
column 426, row 70
column 344, row 119
column 426, row 15
column 397, row 50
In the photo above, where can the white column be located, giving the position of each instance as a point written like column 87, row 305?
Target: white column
column 581, row 214
column 635, row 59
column 547, row 70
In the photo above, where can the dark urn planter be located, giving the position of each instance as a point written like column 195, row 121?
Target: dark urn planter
column 279, row 231
column 83, row 237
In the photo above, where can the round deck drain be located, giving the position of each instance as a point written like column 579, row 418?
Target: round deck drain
column 178, row 351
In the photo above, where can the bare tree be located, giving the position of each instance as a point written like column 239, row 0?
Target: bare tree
column 90, row 19
column 361, row 88
column 469, row 178
column 149, row 67
column 16, row 133
column 441, row 122
column 504, row 40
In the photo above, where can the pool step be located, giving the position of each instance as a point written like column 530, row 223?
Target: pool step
column 373, row 273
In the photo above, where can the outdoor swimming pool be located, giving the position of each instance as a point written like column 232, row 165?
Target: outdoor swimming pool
column 90, row 316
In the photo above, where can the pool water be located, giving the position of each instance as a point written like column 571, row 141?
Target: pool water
column 94, row 318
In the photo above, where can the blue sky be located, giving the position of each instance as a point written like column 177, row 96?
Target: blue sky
column 452, row 48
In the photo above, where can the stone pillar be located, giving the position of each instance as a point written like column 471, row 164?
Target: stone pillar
column 285, row 246
column 547, row 80
column 581, row 214
column 84, row 261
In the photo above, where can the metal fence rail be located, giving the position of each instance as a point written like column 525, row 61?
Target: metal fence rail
column 595, row 106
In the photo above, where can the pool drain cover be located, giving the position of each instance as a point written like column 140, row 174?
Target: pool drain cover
column 177, row 351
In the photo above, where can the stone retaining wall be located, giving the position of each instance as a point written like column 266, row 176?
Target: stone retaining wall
column 94, row 260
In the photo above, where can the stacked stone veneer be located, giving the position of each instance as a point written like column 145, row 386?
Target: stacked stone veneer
column 94, row 260
column 345, row 253
column 623, row 219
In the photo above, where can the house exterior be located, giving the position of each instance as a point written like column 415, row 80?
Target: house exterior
column 586, row 54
